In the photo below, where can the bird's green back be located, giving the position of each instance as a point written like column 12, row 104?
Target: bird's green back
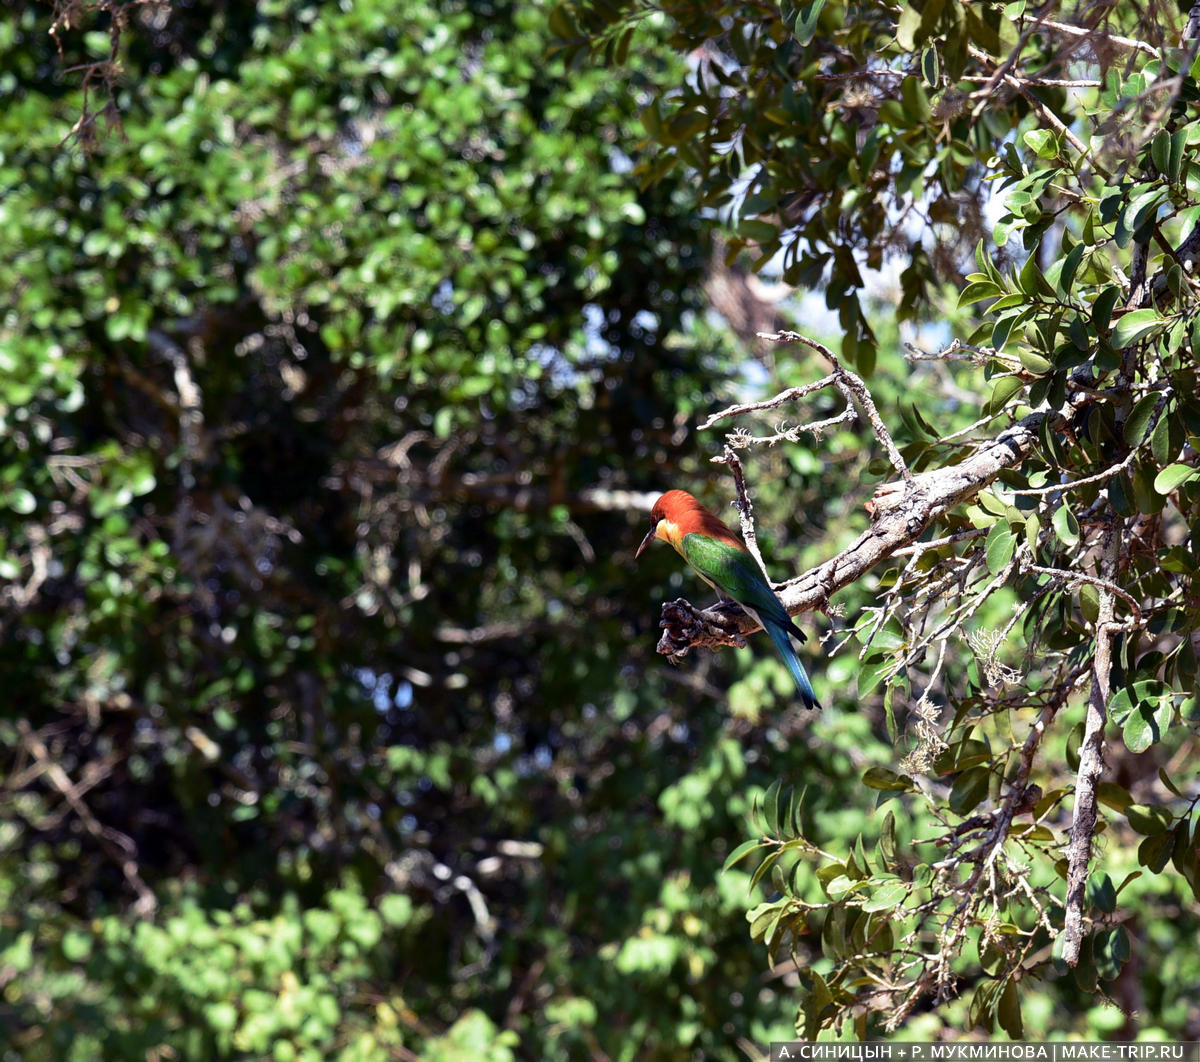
column 733, row 572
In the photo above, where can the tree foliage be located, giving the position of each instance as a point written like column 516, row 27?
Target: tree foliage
column 346, row 347
column 1030, row 177
column 334, row 357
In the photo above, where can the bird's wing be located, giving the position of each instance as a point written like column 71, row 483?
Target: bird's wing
column 733, row 571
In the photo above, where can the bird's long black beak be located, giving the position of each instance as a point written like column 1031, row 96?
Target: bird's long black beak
column 646, row 542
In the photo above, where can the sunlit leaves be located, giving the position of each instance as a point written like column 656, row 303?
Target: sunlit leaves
column 1136, row 325
column 1149, row 819
column 1145, row 709
column 1173, row 477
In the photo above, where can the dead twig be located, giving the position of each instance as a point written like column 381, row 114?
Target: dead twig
column 1091, row 752
column 117, row 845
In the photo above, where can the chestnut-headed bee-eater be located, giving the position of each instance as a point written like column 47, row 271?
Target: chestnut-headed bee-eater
column 721, row 559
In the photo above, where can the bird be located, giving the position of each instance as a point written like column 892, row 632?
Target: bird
column 722, row 560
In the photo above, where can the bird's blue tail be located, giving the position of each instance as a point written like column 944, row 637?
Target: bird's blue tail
column 779, row 638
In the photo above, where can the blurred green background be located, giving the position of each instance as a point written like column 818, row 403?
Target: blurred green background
column 333, row 725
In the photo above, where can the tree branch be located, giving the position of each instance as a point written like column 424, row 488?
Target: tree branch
column 1091, row 753
column 744, row 505
column 851, row 386
column 117, row 845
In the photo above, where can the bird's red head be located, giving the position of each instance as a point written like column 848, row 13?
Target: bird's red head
column 677, row 513
column 665, row 514
column 672, row 505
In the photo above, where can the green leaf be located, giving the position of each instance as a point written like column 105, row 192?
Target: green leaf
column 969, row 789
column 1114, row 796
column 1066, row 279
column 887, row 841
column 1033, row 531
column 1034, row 362
column 1003, row 328
column 915, row 99
column 1164, row 442
column 830, row 872
column 999, row 547
column 1160, row 151
column 1043, row 142
column 1036, row 832
column 1004, row 389
column 887, row 780
column 931, row 70
column 1008, row 1010
column 977, row 292
column 1111, row 950
column 872, row 672
column 807, row 20
column 770, row 808
column 740, row 853
column 1102, row 308
column 764, row 867
column 1135, row 325
column 887, row 897
column 1149, row 819
column 1101, row 894
column 908, row 27
column 1143, row 204
column 962, row 754
column 1150, row 705
column 1174, row 476
column 1089, row 602
column 1066, row 527
column 1155, row 851
column 1031, row 280
column 1168, row 782
column 1139, row 418
column 1133, row 875
column 814, row 1007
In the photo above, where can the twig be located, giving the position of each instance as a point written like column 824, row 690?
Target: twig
column 937, row 543
column 1091, row 755
column 853, row 388
column 1127, row 43
column 790, row 395
column 117, row 845
column 742, row 438
column 1105, row 585
column 744, row 505
column 1047, row 114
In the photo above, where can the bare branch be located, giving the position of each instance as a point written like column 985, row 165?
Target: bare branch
column 1106, row 585
column 1128, row 43
column 851, row 386
column 118, row 846
column 1091, row 754
column 744, row 505
column 937, row 543
column 792, row 394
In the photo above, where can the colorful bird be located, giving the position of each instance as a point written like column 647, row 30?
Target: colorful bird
column 721, row 559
